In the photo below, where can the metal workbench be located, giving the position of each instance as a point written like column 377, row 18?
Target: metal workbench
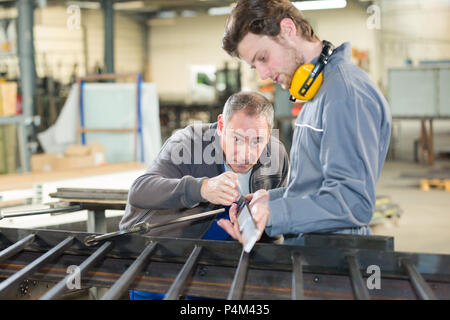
column 326, row 267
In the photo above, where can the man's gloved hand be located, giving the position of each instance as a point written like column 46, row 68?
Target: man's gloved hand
column 222, row 189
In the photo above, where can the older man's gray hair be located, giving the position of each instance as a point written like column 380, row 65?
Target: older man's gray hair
column 252, row 103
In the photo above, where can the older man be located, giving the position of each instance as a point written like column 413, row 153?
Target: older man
column 211, row 163
column 208, row 165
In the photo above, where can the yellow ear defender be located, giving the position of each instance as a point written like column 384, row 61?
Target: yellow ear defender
column 308, row 77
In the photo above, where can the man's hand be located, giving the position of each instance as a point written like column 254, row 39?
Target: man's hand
column 260, row 211
column 222, row 189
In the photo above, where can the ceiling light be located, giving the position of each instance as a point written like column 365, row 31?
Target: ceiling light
column 188, row 13
column 130, row 5
column 167, row 14
column 320, row 4
column 217, row 11
column 85, row 4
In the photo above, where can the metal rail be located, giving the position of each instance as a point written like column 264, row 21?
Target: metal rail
column 61, row 286
column 16, row 247
column 24, row 213
column 297, row 277
column 237, row 287
column 8, row 284
column 359, row 287
column 121, row 285
column 423, row 290
column 176, row 289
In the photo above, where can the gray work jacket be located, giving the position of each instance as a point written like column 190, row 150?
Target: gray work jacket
column 339, row 147
column 170, row 188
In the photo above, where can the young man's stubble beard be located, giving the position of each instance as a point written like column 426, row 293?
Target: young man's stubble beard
column 293, row 58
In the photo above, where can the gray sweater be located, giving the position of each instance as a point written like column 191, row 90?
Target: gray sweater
column 170, row 188
column 339, row 146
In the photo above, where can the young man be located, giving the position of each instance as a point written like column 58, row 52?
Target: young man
column 341, row 135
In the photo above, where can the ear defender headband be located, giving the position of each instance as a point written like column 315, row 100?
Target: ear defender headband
column 308, row 77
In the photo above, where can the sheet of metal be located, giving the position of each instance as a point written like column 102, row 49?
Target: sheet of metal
column 237, row 287
column 247, row 226
column 121, row 285
column 176, row 289
column 297, row 277
column 422, row 289
column 359, row 287
column 61, row 286
column 13, row 280
column 90, row 194
column 16, row 247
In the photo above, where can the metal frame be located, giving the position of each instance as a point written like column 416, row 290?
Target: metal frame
column 237, row 287
column 297, row 277
column 219, row 269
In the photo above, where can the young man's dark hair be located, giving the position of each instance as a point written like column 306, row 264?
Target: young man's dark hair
column 262, row 17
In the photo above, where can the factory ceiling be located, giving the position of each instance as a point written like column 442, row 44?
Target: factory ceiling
column 148, row 9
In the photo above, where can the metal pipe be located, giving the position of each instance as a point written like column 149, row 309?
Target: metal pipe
column 180, row 281
column 360, row 290
column 61, row 286
column 237, row 287
column 297, row 277
column 13, row 280
column 21, row 213
column 108, row 16
column 27, row 66
column 187, row 218
column 16, row 247
column 26, row 55
column 419, row 284
column 128, row 277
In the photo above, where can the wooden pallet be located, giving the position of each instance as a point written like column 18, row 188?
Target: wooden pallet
column 426, row 184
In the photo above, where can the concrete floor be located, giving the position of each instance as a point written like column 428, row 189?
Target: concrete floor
column 425, row 223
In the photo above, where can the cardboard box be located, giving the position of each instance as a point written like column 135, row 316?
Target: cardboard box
column 8, row 98
column 75, row 157
column 99, row 153
column 44, row 162
column 77, row 150
column 67, row 163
